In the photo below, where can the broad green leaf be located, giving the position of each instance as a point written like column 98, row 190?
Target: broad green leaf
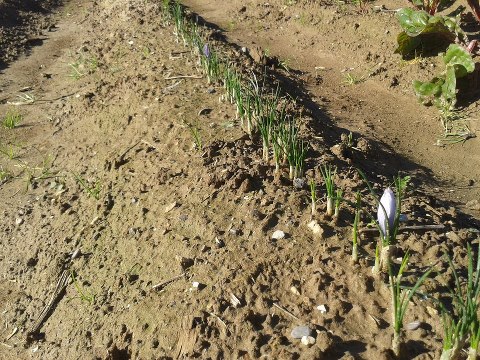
column 425, row 28
column 407, row 44
column 413, row 22
column 428, row 91
column 449, row 91
column 460, row 59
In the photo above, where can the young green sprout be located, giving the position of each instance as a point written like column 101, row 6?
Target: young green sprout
column 195, row 132
column 466, row 303
column 328, row 173
column 277, row 147
column 400, row 302
column 338, row 201
column 358, row 209
column 178, row 17
column 12, row 119
column 313, row 196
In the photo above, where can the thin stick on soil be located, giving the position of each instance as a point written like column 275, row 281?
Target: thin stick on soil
column 219, row 319
column 184, row 77
column 285, row 311
column 160, row 286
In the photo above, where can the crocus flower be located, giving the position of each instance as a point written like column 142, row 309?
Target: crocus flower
column 388, row 216
column 206, row 50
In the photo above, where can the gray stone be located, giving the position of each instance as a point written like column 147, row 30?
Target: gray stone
column 300, row 331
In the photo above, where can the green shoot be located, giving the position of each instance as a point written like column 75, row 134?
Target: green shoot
column 82, row 294
column 328, row 174
column 313, row 196
column 9, row 151
column 277, row 148
column 178, row 18
column 358, row 209
column 400, row 301
column 466, row 303
column 93, row 191
column 211, row 64
column 197, row 138
column 300, row 152
column 12, row 119
column 4, row 175
column 351, row 79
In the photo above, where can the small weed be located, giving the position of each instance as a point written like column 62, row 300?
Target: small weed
column 232, row 25
column 12, row 119
column 4, row 175
column 93, row 191
column 195, row 132
column 146, row 52
column 284, row 64
column 42, row 171
column 9, row 151
column 82, row 294
column 83, row 66
column 351, row 79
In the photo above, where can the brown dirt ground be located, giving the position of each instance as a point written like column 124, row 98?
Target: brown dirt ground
column 105, row 112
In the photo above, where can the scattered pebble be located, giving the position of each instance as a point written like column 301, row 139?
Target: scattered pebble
column 235, row 300
column 278, row 234
column 315, row 227
column 294, row 290
column 299, row 332
column 219, row 242
column 299, row 183
column 431, row 311
column 170, row 207
column 414, row 325
column 308, row 340
column 195, row 285
column 19, row 221
column 322, row 308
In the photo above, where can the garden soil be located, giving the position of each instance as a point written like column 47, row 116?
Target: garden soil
column 130, row 177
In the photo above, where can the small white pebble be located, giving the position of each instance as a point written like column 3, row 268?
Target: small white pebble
column 19, row 221
column 294, row 290
column 278, row 234
column 322, row 308
column 308, row 340
column 414, row 325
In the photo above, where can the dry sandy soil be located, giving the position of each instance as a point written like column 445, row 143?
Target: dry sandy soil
column 103, row 165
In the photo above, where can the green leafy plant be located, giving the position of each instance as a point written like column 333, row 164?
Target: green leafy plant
column 421, row 29
column 441, row 90
column 12, row 119
column 400, row 300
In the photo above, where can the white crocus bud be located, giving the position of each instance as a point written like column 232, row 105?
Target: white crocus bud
column 386, row 214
